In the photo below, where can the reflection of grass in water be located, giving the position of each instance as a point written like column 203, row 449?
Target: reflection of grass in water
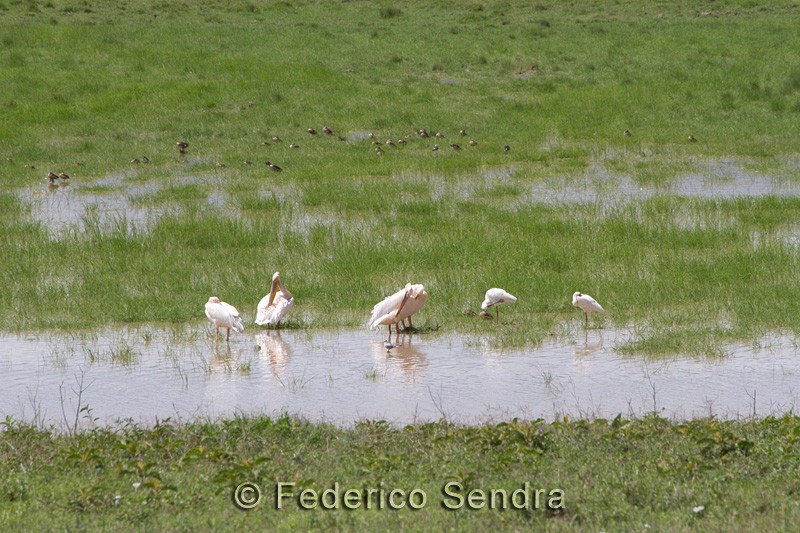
column 373, row 374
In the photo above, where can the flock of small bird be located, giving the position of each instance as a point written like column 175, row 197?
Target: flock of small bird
column 396, row 309
column 183, row 147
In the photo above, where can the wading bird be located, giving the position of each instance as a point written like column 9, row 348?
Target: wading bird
column 274, row 306
column 415, row 297
column 388, row 311
column 495, row 297
column 587, row 304
column 223, row 315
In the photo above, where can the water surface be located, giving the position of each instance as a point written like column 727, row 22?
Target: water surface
column 148, row 374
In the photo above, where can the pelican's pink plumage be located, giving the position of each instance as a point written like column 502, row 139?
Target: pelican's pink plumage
column 392, row 315
column 416, row 297
column 275, row 305
column 223, row 315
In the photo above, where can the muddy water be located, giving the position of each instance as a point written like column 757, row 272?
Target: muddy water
column 347, row 375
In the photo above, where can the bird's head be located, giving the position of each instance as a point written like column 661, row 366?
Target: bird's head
column 213, row 300
column 275, row 276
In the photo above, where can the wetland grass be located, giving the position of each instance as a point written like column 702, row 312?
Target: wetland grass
column 88, row 89
column 615, row 474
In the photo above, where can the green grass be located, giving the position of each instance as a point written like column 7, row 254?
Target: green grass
column 87, row 87
column 614, row 475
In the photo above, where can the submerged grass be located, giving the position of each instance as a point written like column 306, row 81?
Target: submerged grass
column 558, row 84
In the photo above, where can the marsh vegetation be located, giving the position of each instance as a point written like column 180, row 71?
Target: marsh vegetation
column 685, row 230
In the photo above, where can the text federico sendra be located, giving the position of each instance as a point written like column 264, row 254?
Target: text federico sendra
column 453, row 495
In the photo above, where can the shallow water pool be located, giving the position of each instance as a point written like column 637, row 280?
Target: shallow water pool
column 148, row 374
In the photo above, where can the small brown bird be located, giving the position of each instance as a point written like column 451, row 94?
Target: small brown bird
column 327, row 131
column 473, row 142
column 145, row 159
column 311, row 131
column 435, row 147
column 264, row 143
column 389, row 142
column 455, row 147
column 135, row 161
column 275, row 138
column 506, row 148
column 272, row 166
column 422, row 133
column 182, row 146
column 247, row 162
column 439, row 135
column 376, row 143
column 371, row 135
column 401, row 141
column 52, row 177
column 379, row 150
column 293, row 145
column 627, row 133
column 63, row 176
column 463, row 133
column 692, row 139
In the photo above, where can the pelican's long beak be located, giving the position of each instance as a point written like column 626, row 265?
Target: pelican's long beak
column 403, row 303
column 272, row 291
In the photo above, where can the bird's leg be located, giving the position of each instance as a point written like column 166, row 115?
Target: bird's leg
column 228, row 335
column 410, row 325
column 497, row 313
column 216, row 332
column 586, row 315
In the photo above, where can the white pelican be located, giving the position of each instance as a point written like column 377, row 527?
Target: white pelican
column 274, row 306
column 588, row 304
column 495, row 297
column 391, row 316
column 223, row 315
column 417, row 298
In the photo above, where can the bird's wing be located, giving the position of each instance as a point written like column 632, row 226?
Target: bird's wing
column 228, row 308
column 236, row 323
column 413, row 305
column 596, row 306
column 274, row 313
column 215, row 312
column 262, row 311
column 386, row 306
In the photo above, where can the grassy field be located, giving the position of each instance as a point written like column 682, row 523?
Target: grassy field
column 618, row 475
column 710, row 92
column 87, row 89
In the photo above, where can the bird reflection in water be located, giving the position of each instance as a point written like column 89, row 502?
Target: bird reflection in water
column 586, row 347
column 399, row 352
column 276, row 350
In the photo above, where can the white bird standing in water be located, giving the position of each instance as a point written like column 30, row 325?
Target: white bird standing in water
column 495, row 297
column 223, row 315
column 274, row 306
column 587, row 304
column 417, row 298
column 387, row 312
